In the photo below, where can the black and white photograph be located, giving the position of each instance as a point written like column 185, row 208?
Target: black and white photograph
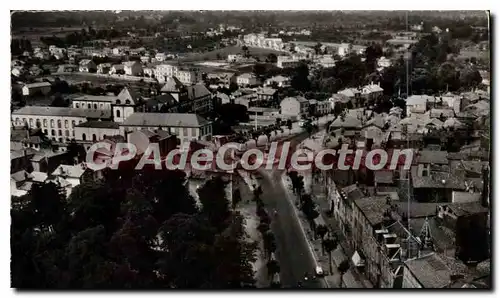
column 250, row 149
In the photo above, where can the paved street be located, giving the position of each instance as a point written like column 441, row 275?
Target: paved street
column 293, row 251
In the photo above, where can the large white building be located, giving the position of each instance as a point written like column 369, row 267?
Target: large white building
column 186, row 127
column 57, row 123
column 92, row 102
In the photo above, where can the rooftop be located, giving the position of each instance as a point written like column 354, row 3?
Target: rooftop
column 373, row 208
column 62, row 112
column 432, row 157
column 165, row 120
column 103, row 98
column 431, row 271
column 99, row 124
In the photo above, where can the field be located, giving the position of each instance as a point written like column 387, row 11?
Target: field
column 212, row 55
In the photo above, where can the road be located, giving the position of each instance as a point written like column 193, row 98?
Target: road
column 292, row 249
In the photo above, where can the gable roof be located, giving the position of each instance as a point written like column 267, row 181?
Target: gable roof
column 434, row 157
column 430, row 271
column 197, row 91
column 69, row 171
column 172, row 85
column 128, row 94
column 348, row 122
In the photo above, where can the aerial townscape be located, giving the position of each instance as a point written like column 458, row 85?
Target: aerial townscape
column 186, row 81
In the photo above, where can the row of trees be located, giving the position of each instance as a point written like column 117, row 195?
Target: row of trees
column 329, row 241
column 130, row 230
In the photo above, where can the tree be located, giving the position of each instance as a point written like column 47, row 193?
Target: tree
column 343, row 268
column 268, row 241
column 59, row 101
column 236, row 198
column 272, row 267
column 271, row 58
column 212, row 195
column 259, row 70
column 289, row 125
column 330, row 245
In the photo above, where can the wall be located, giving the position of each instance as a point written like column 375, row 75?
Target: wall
column 50, row 125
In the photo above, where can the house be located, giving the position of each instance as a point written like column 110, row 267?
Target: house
column 185, row 126
column 287, row 62
column 262, row 114
column 319, row 107
column 353, row 93
column 95, row 102
column 161, row 103
column 188, row 77
column 117, row 69
column 145, row 59
column 339, row 102
column 429, row 271
column 383, row 62
column 267, row 94
column 126, row 103
column 469, row 223
column 132, row 68
column 160, row 57
column 41, row 88
column 280, row 81
column 372, row 91
column 224, row 78
column 165, row 71
column 435, row 186
column 89, row 132
column 141, row 139
column 67, row 68
column 417, row 104
column 441, row 113
column 297, row 107
column 70, row 176
column 247, row 80
column 103, row 68
column 57, row 123
column 87, row 65
column 234, row 58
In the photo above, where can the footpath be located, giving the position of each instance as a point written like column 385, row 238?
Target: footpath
column 351, row 279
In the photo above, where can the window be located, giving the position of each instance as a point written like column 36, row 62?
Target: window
column 53, row 132
column 52, row 123
column 59, row 124
column 84, row 137
column 44, row 122
column 60, row 132
column 60, row 140
column 77, row 105
column 118, row 102
column 95, row 106
column 193, row 131
column 127, row 102
column 73, row 133
column 101, row 106
column 88, row 106
column 94, row 137
column 24, row 121
column 184, row 131
column 73, row 123
column 45, row 131
column 66, row 123
column 17, row 121
column 38, row 123
column 31, row 122
column 104, row 136
column 117, row 113
column 66, row 133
